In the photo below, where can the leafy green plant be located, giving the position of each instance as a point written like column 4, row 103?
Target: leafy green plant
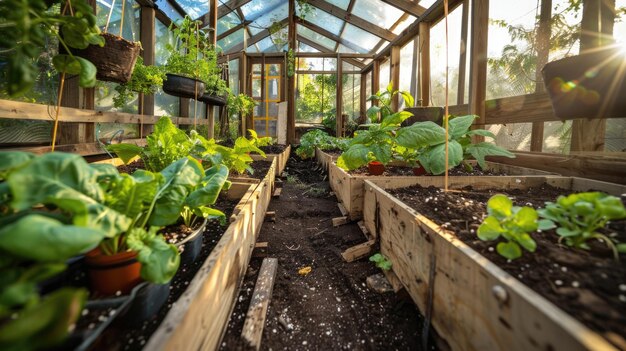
column 383, row 109
column 259, row 142
column 512, row 223
column 580, row 216
column 240, row 104
column 429, row 139
column 27, row 25
column 320, row 139
column 381, row 261
column 145, row 80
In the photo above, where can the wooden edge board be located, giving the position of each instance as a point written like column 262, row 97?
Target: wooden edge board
column 339, row 221
column 255, row 318
column 342, row 209
column 358, row 251
column 277, row 192
column 524, row 320
column 364, row 230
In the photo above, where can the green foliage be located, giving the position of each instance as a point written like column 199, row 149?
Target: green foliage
column 291, row 63
column 580, row 216
column 512, row 223
column 240, row 104
column 159, row 260
column 381, row 111
column 27, row 25
column 145, row 79
column 320, row 139
column 381, row 261
column 429, row 139
column 259, row 142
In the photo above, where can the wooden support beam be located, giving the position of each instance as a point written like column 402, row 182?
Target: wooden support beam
column 363, row 99
column 254, row 39
column 270, row 216
column 213, row 20
column 478, row 68
column 394, row 72
column 359, row 251
column 314, row 44
column 463, row 53
column 339, row 221
column 243, row 88
column 330, row 35
column 148, row 40
column 291, row 81
column 423, row 74
column 352, row 19
column 410, row 7
column 339, row 99
column 375, row 79
column 255, row 318
column 543, row 51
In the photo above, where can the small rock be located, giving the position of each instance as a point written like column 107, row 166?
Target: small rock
column 379, row 283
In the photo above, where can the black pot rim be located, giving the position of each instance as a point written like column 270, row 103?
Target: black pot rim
column 185, row 77
column 194, row 234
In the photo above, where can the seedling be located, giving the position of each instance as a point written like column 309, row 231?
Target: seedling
column 579, row 216
column 513, row 223
column 381, row 261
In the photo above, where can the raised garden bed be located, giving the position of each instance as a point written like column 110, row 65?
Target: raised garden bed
column 349, row 187
column 281, row 158
column 325, row 158
column 476, row 305
column 199, row 318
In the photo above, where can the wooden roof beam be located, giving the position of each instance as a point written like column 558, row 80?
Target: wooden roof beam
column 352, row 19
column 326, row 33
column 407, row 6
column 223, row 10
column 255, row 38
column 313, row 44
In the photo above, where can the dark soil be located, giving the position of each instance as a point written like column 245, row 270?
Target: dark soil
column 260, row 170
column 331, row 308
column 589, row 285
column 273, row 149
column 122, row 337
column 131, row 167
column 176, row 233
column 408, row 171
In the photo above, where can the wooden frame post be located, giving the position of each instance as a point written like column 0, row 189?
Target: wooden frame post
column 339, row 98
column 424, row 63
column 414, row 73
column 291, row 81
column 394, row 76
column 363, row 101
column 460, row 99
column 543, row 51
column 478, row 68
column 243, row 84
column 375, row 79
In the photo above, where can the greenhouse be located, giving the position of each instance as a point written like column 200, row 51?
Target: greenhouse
column 313, row 175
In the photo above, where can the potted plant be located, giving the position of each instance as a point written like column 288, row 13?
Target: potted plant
column 589, row 85
column 216, row 90
column 144, row 80
column 185, row 65
column 115, row 60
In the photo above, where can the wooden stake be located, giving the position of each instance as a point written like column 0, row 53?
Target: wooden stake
column 255, row 318
column 337, row 221
column 445, row 11
column 56, row 117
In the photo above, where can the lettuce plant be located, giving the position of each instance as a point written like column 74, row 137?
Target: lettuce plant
column 580, row 216
column 429, row 139
column 511, row 223
column 320, row 139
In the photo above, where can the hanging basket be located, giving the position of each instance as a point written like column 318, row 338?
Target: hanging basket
column 182, row 86
column 423, row 114
column 590, row 85
column 115, row 60
column 212, row 100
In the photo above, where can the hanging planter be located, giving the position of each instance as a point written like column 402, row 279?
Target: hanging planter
column 423, row 114
column 589, row 85
column 182, row 86
column 115, row 60
column 211, row 99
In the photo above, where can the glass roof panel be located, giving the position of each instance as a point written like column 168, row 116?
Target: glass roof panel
column 404, row 24
column 377, row 12
column 382, row 47
column 274, row 15
column 340, row 3
column 227, row 22
column 280, row 39
column 365, row 39
column 194, row 8
column 324, row 20
column 257, row 8
column 252, row 48
column 302, row 47
column 267, row 45
column 311, row 35
column 168, row 10
column 345, row 50
column 231, row 40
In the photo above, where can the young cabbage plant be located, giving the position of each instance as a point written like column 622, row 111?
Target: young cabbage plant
column 381, row 261
column 511, row 223
column 579, row 218
column 430, row 140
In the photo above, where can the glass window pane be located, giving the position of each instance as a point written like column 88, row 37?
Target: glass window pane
column 355, row 34
column 384, row 76
column 194, row 8
column 256, row 87
column 169, row 11
column 227, row 22
column 557, row 137
column 259, row 127
column 273, row 89
column 272, row 110
column 377, row 12
column 315, row 97
column 231, row 40
column 265, row 21
column 302, row 47
column 513, row 136
column 324, row 20
column 164, row 104
column 201, row 114
column 272, row 128
column 273, row 70
column 407, row 70
column 344, row 49
column 233, row 76
column 438, row 61
column 318, row 38
column 259, row 110
column 256, row 8
column 615, row 137
column 340, row 3
column 403, row 24
column 368, row 89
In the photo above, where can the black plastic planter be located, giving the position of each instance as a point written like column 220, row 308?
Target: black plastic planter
column 183, row 87
column 590, row 85
column 212, row 100
column 191, row 247
column 147, row 300
column 422, row 114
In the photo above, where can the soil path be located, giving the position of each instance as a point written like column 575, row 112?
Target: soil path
column 331, row 308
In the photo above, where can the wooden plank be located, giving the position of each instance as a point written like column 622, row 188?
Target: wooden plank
column 255, row 318
column 424, row 63
column 478, row 63
column 148, row 53
column 342, row 209
column 339, row 221
column 357, row 252
column 466, row 314
column 270, row 216
column 460, row 99
column 281, row 159
column 407, row 6
column 394, row 72
column 199, row 318
column 88, row 149
column 277, row 192
column 364, row 230
column 339, row 122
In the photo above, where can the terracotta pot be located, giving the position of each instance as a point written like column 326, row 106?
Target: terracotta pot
column 115, row 60
column 418, row 170
column 375, row 168
column 588, row 85
column 423, row 114
column 182, row 86
column 110, row 274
